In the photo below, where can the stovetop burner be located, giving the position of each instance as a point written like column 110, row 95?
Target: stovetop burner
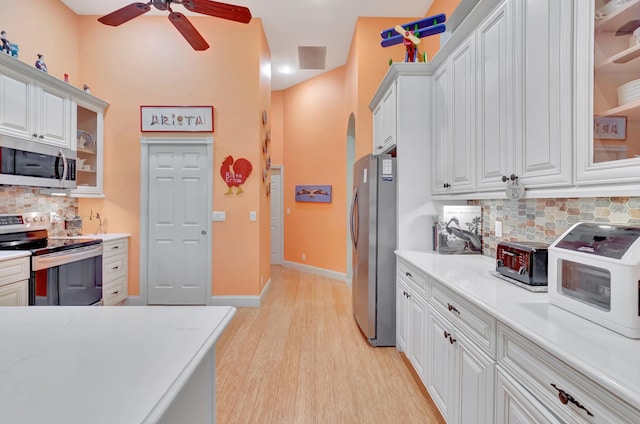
column 28, row 232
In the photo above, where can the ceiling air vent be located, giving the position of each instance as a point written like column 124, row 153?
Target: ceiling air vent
column 312, row 57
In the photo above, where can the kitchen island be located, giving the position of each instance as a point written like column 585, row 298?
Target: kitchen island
column 138, row 364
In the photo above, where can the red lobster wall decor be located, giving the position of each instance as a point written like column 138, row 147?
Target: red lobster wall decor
column 235, row 173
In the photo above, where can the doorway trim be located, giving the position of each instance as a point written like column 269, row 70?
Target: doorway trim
column 145, row 147
column 280, row 168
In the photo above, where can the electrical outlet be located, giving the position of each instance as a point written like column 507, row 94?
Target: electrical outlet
column 252, row 216
column 219, row 216
column 304, row 257
column 498, row 228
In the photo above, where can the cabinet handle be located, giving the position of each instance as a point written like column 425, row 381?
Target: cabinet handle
column 40, row 136
column 446, row 335
column 34, row 135
column 114, row 268
column 446, row 185
column 116, row 292
column 451, row 340
column 566, row 398
column 452, row 308
column 408, row 274
column 115, row 247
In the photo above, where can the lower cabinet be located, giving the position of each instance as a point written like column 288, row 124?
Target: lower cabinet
column 411, row 313
column 115, row 271
column 460, row 375
column 554, row 388
column 14, row 282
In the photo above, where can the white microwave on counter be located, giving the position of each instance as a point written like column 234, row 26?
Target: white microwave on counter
column 594, row 272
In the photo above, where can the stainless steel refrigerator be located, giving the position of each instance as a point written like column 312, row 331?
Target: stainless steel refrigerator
column 373, row 234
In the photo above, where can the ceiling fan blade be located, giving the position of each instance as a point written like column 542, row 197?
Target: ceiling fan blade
column 220, row 10
column 125, row 14
column 188, row 31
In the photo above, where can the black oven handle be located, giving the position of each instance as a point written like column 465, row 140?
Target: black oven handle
column 52, row 260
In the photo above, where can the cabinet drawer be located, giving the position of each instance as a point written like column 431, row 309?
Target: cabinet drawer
column 114, row 247
column 553, row 382
column 414, row 278
column 476, row 324
column 115, row 291
column 14, row 270
column 114, row 267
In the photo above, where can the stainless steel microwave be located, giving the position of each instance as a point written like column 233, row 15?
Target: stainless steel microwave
column 594, row 272
column 35, row 164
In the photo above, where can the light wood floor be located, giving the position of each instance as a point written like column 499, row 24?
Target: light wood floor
column 300, row 358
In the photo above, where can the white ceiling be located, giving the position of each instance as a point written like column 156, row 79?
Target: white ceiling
column 292, row 23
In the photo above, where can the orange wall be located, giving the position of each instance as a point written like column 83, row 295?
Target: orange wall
column 431, row 45
column 276, row 124
column 146, row 61
column 46, row 27
column 314, row 136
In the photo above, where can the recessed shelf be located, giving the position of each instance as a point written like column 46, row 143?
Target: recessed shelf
column 631, row 110
column 622, row 62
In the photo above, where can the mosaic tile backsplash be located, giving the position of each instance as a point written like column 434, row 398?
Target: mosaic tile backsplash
column 544, row 220
column 14, row 199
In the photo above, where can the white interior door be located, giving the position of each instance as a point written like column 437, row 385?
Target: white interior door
column 276, row 216
column 178, row 257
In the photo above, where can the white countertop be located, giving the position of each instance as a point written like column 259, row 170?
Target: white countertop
column 87, row 364
column 5, row 255
column 103, row 236
column 610, row 359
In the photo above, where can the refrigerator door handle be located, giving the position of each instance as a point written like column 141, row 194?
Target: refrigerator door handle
column 354, row 219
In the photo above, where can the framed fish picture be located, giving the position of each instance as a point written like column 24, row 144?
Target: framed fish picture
column 313, row 193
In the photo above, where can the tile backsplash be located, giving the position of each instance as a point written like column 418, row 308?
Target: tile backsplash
column 16, row 199
column 544, row 220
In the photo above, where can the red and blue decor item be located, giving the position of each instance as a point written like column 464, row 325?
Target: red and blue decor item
column 7, row 46
column 40, row 63
column 410, row 34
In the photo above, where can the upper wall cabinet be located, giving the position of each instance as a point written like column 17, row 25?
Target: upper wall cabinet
column 384, row 122
column 524, row 101
column 607, row 92
column 453, row 118
column 35, row 106
column 33, row 111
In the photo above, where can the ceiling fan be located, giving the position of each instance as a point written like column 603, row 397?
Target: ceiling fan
column 180, row 21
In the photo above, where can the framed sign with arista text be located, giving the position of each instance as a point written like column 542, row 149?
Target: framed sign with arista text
column 176, row 118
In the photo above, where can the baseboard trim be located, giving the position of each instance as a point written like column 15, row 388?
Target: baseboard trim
column 241, row 301
column 340, row 276
column 236, row 301
column 427, row 396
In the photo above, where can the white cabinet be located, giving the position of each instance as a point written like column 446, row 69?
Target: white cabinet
column 88, row 124
column 460, row 365
column 411, row 315
column 604, row 61
column 451, row 354
column 384, row 122
column 524, row 94
column 408, row 87
column 564, row 392
column 453, row 117
column 14, row 282
column 33, row 111
column 543, row 92
column 115, row 271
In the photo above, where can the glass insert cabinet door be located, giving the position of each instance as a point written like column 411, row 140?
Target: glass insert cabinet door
column 616, row 81
column 89, row 125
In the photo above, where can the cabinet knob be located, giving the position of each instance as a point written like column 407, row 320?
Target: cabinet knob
column 408, row 274
column 446, row 185
column 34, row 135
column 446, row 334
column 41, row 136
column 451, row 340
column 512, row 177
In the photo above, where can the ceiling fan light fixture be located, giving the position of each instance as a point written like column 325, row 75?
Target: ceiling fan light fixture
column 286, row 69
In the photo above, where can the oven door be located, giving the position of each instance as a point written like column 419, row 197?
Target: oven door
column 68, row 278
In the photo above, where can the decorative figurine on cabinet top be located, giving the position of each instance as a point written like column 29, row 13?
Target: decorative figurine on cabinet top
column 40, row 63
column 410, row 35
column 7, row 46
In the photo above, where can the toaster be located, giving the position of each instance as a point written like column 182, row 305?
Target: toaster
column 523, row 261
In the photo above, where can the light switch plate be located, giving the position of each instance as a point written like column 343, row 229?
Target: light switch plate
column 253, row 216
column 219, row 216
column 498, row 228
